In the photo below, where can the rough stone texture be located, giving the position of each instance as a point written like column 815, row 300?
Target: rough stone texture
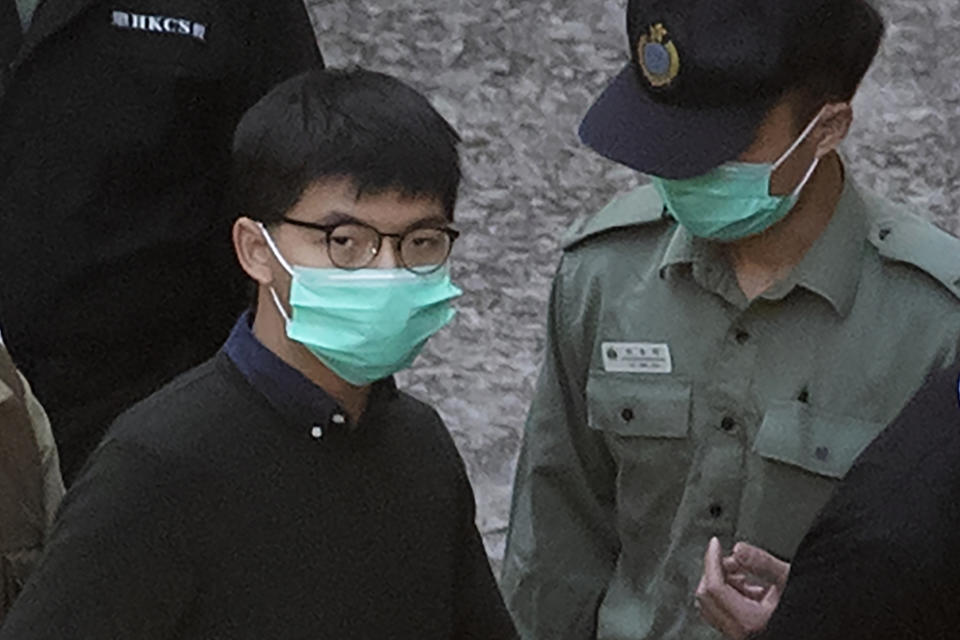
column 514, row 78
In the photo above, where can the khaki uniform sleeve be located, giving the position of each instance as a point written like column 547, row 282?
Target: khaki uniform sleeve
column 562, row 545
column 32, row 482
column 53, row 489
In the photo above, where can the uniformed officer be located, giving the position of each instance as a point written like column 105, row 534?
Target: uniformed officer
column 115, row 128
column 724, row 342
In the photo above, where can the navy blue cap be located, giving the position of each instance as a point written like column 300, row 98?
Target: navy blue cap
column 702, row 77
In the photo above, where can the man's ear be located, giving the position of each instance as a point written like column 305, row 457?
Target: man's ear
column 252, row 251
column 834, row 125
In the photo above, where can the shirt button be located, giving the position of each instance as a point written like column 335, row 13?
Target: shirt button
column 627, row 415
column 822, row 453
column 742, row 336
column 338, row 418
column 716, row 511
column 316, row 433
column 728, row 424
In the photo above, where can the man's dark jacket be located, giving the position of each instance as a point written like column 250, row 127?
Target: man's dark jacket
column 116, row 119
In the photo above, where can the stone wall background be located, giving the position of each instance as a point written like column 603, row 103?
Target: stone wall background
column 514, row 77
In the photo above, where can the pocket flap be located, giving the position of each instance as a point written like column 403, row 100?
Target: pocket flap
column 820, row 443
column 634, row 405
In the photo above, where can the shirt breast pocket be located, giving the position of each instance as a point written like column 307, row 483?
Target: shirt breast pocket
column 801, row 456
column 645, row 422
column 634, row 406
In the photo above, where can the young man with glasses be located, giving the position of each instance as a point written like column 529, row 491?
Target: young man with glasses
column 286, row 488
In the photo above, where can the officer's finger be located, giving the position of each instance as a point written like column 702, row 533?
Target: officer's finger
column 715, row 596
column 760, row 563
column 731, row 564
column 747, row 587
column 712, row 567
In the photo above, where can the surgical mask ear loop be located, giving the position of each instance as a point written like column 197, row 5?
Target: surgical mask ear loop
column 283, row 263
column 273, row 248
column 796, row 143
column 800, row 140
column 279, row 305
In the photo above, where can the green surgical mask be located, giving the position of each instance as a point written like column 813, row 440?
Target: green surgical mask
column 733, row 201
column 368, row 324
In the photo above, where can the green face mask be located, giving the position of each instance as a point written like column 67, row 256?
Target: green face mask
column 733, row 201
column 368, row 324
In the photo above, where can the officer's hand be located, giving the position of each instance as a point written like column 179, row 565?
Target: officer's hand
column 747, row 563
column 728, row 599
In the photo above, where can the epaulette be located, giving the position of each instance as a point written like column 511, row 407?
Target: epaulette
column 910, row 239
column 642, row 206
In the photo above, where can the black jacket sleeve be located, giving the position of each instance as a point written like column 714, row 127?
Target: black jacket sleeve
column 480, row 611
column 117, row 564
column 849, row 592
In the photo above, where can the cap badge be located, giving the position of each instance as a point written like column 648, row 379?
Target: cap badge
column 658, row 56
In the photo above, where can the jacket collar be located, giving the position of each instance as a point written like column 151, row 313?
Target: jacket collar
column 50, row 17
column 11, row 34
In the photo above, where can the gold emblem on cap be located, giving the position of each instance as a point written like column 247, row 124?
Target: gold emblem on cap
column 658, row 56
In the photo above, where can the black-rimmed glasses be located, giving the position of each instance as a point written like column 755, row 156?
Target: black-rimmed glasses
column 354, row 245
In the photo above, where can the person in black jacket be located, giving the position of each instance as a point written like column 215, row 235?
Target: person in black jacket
column 115, row 127
column 882, row 560
column 286, row 488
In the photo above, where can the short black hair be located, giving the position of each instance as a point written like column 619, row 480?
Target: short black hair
column 357, row 124
column 832, row 49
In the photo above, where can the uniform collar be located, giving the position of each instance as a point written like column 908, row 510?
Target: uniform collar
column 833, row 265
column 830, row 269
column 301, row 402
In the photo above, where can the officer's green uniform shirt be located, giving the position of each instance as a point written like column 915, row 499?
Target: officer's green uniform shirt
column 670, row 409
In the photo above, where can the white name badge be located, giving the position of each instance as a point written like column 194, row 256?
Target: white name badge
column 637, row 357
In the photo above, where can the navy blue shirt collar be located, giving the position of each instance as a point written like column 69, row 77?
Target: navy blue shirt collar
column 293, row 395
